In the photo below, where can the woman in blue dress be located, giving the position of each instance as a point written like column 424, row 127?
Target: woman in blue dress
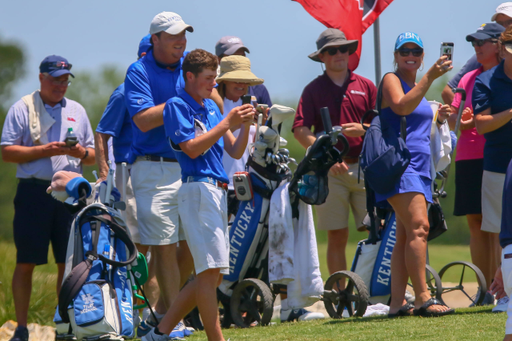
column 402, row 96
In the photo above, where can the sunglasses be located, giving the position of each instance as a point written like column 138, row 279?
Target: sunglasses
column 482, row 42
column 333, row 50
column 59, row 65
column 416, row 52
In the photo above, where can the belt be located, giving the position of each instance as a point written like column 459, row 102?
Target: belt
column 36, row 181
column 155, row 158
column 208, row 180
column 351, row 159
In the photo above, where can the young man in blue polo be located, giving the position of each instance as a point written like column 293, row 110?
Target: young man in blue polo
column 194, row 124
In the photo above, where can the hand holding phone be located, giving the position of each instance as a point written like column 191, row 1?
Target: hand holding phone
column 447, row 50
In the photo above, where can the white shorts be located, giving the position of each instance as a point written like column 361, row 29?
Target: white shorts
column 130, row 214
column 506, row 271
column 492, row 194
column 203, row 213
column 345, row 193
column 156, row 185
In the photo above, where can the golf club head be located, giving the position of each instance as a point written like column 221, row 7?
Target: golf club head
column 279, row 114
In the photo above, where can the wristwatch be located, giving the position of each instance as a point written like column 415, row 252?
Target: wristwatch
column 86, row 154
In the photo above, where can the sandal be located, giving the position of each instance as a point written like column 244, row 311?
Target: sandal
column 405, row 310
column 425, row 312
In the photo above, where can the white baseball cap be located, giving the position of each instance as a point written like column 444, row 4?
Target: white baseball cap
column 504, row 8
column 169, row 22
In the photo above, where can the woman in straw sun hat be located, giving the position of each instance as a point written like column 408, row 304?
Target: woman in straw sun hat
column 234, row 80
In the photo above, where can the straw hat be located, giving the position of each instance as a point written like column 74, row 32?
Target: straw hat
column 237, row 69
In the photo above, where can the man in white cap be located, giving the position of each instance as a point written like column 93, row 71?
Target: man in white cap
column 503, row 16
column 156, row 174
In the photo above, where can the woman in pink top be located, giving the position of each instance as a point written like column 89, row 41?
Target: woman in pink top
column 469, row 157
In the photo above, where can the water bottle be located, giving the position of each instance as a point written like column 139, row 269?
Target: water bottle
column 71, row 139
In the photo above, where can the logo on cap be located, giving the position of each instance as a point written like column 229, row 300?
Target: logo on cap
column 408, row 35
column 481, row 27
column 174, row 18
column 233, row 40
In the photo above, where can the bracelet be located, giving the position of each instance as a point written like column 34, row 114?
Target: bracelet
column 86, row 154
column 439, row 122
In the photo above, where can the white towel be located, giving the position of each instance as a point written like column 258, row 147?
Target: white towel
column 39, row 119
column 440, row 147
column 294, row 260
column 280, row 238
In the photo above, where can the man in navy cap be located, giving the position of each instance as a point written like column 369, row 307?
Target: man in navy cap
column 33, row 137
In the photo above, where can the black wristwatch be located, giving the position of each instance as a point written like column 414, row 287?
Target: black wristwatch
column 441, row 122
column 86, row 154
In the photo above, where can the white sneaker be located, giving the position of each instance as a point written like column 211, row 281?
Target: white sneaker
column 152, row 336
column 501, row 306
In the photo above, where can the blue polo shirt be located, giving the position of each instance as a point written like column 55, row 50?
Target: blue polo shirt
column 506, row 214
column 179, row 114
column 116, row 122
column 493, row 90
column 149, row 84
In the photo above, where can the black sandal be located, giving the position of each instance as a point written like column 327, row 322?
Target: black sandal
column 405, row 310
column 425, row 312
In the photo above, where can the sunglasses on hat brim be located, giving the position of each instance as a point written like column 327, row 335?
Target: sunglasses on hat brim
column 58, row 65
column 416, row 52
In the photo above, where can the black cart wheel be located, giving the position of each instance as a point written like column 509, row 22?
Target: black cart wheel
column 193, row 319
column 345, row 289
column 251, row 301
column 434, row 284
column 465, row 278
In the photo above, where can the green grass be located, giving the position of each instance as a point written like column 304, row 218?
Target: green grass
column 44, row 300
column 466, row 324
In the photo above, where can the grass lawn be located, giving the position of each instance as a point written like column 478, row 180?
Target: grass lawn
column 466, row 324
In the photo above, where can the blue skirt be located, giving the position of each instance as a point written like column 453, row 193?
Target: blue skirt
column 409, row 182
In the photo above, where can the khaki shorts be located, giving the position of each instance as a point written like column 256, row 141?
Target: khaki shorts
column 130, row 214
column 492, row 194
column 344, row 193
column 204, row 214
column 155, row 185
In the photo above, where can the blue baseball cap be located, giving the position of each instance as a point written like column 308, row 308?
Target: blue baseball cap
column 408, row 37
column 55, row 66
column 144, row 45
column 486, row 31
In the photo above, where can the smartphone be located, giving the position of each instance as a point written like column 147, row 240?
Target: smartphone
column 246, row 99
column 447, row 50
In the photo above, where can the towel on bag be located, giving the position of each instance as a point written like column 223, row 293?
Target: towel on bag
column 440, row 148
column 39, row 119
column 293, row 253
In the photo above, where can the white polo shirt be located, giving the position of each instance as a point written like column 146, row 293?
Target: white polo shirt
column 67, row 114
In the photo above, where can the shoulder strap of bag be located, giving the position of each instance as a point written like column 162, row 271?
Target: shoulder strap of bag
column 378, row 104
column 72, row 285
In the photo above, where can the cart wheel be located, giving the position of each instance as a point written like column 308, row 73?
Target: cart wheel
column 251, row 301
column 434, row 284
column 193, row 319
column 340, row 294
column 463, row 275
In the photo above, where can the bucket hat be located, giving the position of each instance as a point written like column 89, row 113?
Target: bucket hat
column 332, row 37
column 237, row 69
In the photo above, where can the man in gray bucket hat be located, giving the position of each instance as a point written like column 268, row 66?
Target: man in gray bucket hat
column 348, row 96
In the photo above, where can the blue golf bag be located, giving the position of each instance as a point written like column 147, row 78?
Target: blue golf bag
column 96, row 299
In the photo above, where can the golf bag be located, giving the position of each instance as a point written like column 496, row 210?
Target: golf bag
column 96, row 300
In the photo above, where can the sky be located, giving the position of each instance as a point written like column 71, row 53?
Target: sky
column 279, row 33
